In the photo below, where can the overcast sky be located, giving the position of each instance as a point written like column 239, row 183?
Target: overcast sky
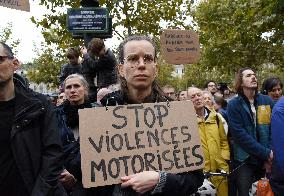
column 23, row 28
column 26, row 31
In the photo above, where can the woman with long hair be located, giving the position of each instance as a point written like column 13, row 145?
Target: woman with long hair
column 138, row 70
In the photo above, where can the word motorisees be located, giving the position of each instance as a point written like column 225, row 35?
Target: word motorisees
column 128, row 139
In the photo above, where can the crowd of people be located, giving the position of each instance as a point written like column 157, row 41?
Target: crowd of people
column 241, row 131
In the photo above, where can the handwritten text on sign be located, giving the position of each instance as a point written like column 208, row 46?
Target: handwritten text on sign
column 16, row 4
column 129, row 139
column 180, row 46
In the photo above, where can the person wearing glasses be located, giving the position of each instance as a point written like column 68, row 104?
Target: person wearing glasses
column 138, row 70
column 30, row 148
column 72, row 67
column 211, row 86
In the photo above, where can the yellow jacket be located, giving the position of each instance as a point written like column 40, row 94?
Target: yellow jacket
column 214, row 142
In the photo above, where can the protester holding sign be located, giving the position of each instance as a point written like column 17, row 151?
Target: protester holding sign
column 138, row 70
column 76, row 92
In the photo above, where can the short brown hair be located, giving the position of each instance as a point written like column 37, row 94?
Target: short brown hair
column 96, row 45
column 72, row 52
column 239, row 79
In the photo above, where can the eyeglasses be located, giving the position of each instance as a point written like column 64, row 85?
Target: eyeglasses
column 211, row 85
column 71, row 57
column 170, row 93
column 134, row 59
column 3, row 58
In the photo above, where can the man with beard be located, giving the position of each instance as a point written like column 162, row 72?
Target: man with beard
column 249, row 122
column 211, row 86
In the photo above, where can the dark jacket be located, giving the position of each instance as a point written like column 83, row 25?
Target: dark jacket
column 277, row 124
column 72, row 156
column 68, row 69
column 71, row 146
column 176, row 184
column 250, row 140
column 103, row 68
column 35, row 142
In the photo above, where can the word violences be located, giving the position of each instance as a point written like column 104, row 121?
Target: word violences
column 142, row 141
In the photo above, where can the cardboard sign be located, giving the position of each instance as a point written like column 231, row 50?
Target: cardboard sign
column 23, row 5
column 129, row 139
column 180, row 46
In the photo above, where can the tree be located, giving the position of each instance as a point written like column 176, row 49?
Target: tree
column 232, row 33
column 6, row 36
column 46, row 68
column 235, row 34
column 131, row 17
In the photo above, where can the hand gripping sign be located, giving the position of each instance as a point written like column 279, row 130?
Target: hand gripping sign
column 129, row 139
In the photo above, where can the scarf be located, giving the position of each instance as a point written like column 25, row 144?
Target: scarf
column 71, row 112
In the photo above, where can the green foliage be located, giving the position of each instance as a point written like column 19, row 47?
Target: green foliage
column 54, row 26
column 165, row 76
column 129, row 17
column 197, row 75
column 46, row 68
column 235, row 34
column 27, row 66
column 6, row 36
column 148, row 16
column 165, row 73
column 232, row 33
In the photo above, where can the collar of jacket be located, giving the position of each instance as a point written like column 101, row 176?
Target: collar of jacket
column 246, row 104
column 27, row 107
column 119, row 98
column 207, row 113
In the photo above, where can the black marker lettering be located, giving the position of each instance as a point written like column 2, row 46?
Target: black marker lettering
column 119, row 116
column 100, row 167
column 160, row 114
column 197, row 155
column 136, row 112
column 98, row 149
